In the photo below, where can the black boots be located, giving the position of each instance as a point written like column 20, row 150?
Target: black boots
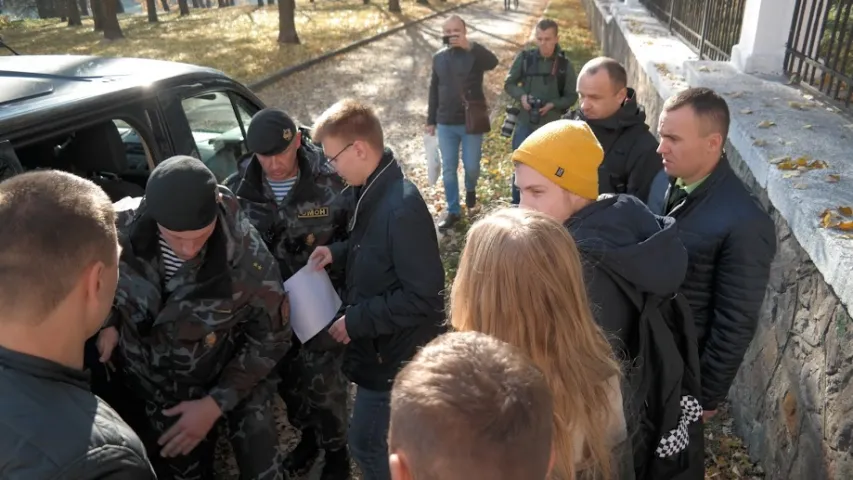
column 470, row 199
column 300, row 461
column 297, row 465
column 336, row 465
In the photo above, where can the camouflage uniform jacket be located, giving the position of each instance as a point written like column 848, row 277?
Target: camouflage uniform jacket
column 217, row 327
column 314, row 212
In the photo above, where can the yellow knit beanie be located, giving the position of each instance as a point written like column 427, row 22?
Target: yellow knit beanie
column 565, row 152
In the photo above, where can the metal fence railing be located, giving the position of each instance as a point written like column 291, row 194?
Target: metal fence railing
column 818, row 54
column 711, row 27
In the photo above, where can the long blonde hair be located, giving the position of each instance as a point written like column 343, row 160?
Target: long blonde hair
column 520, row 280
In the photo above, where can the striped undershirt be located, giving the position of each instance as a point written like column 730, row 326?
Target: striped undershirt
column 171, row 262
column 280, row 188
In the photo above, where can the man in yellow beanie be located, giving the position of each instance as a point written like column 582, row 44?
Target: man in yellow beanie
column 628, row 252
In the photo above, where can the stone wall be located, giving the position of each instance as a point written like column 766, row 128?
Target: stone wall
column 793, row 398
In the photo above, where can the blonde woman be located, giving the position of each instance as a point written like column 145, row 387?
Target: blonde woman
column 520, row 280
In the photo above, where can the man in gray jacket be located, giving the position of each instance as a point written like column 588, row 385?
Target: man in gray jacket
column 56, row 290
column 457, row 77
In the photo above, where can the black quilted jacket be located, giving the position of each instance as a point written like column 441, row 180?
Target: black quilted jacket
column 730, row 241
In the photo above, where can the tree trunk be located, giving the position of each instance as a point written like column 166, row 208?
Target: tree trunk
column 73, row 14
column 119, row 6
column 260, row 3
column 98, row 14
column 394, row 6
column 84, row 8
column 366, row 2
column 184, row 7
column 112, row 29
column 425, row 2
column 287, row 22
column 272, row 2
column 165, row 4
column 151, row 7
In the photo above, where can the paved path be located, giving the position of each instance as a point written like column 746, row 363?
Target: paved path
column 393, row 75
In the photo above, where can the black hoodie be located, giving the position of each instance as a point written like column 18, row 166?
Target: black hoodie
column 622, row 235
column 631, row 161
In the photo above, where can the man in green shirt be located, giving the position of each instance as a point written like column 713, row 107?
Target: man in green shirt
column 543, row 81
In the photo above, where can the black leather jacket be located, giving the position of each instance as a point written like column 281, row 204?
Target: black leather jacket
column 53, row 427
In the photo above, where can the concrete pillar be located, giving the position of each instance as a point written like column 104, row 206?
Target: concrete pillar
column 763, row 35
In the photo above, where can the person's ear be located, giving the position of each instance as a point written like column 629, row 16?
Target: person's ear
column 298, row 140
column 715, row 142
column 399, row 467
column 94, row 282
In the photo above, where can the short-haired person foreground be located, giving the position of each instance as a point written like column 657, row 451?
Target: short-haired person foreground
column 520, row 280
column 394, row 275
column 470, row 406
column 58, row 275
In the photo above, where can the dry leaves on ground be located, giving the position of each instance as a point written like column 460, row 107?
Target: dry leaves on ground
column 799, row 164
column 838, row 218
column 240, row 41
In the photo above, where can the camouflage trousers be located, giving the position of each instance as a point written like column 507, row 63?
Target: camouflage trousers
column 251, row 430
column 315, row 391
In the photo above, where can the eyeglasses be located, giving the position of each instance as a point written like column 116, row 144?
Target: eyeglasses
column 333, row 159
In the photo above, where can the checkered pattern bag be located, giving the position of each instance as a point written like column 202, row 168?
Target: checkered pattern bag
column 677, row 439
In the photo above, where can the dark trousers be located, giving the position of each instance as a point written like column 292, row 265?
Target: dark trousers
column 251, row 430
column 368, row 433
column 315, row 391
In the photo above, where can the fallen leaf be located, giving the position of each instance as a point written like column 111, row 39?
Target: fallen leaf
column 833, row 178
column 760, row 143
column 793, row 174
column 778, row 160
column 746, row 111
column 807, row 127
column 735, row 94
column 797, row 106
column 800, row 186
column 766, row 124
column 837, row 218
column 801, row 163
column 703, row 68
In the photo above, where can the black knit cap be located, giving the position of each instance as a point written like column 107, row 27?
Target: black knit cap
column 181, row 194
column 270, row 132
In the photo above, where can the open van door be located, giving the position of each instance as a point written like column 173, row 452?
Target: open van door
column 9, row 163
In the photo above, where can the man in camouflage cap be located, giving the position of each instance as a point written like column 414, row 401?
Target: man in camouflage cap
column 201, row 321
column 297, row 201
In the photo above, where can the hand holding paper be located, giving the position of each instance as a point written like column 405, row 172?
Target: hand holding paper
column 313, row 300
column 320, row 257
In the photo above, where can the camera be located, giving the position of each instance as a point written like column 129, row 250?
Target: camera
column 509, row 122
column 446, row 39
column 535, row 105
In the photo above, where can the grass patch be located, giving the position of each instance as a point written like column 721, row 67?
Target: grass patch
column 240, row 41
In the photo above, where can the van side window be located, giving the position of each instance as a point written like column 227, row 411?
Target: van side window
column 217, row 130
column 111, row 153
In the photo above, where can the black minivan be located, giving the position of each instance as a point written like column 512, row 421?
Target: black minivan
column 113, row 119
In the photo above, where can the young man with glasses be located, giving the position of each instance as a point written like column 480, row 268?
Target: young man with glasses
column 394, row 274
column 294, row 198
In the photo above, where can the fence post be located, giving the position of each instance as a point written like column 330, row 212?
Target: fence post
column 706, row 12
column 763, row 35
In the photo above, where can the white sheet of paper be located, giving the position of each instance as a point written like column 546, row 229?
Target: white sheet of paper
column 313, row 301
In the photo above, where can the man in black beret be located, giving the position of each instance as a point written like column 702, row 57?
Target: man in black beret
column 296, row 200
column 201, row 319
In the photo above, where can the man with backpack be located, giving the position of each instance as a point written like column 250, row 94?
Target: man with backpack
column 611, row 110
column 543, row 81
column 634, row 263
